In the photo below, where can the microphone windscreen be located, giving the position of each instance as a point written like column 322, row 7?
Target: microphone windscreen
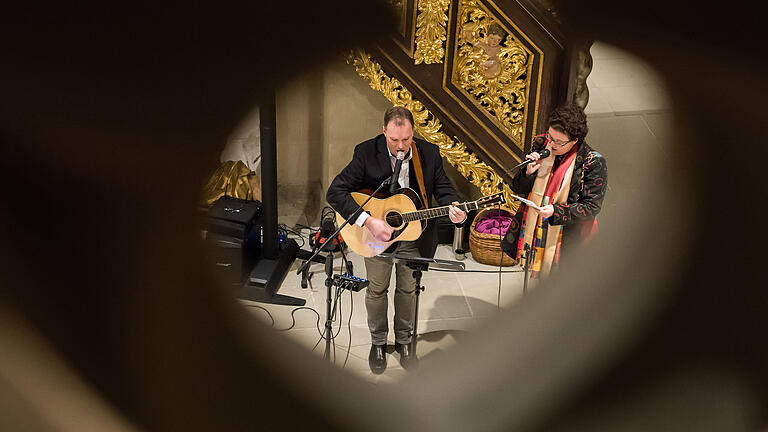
column 328, row 224
column 544, row 153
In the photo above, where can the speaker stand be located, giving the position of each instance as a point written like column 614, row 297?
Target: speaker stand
column 267, row 276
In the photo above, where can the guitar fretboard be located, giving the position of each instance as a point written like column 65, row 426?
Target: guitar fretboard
column 437, row 212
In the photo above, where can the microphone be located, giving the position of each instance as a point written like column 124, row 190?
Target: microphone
column 393, row 182
column 328, row 224
column 327, row 228
column 543, row 153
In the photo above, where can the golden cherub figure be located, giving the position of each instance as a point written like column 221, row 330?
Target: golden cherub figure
column 490, row 65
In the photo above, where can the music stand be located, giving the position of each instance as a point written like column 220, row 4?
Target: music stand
column 419, row 265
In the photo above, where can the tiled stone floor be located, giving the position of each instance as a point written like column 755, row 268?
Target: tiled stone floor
column 450, row 307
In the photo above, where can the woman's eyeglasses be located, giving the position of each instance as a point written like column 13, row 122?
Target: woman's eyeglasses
column 560, row 143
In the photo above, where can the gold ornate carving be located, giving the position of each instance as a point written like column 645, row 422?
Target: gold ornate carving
column 430, row 31
column 493, row 69
column 429, row 127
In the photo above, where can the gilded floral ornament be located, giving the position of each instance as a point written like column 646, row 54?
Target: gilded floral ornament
column 493, row 68
column 430, row 31
column 428, row 126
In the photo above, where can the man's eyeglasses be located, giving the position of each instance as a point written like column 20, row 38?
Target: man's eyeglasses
column 560, row 143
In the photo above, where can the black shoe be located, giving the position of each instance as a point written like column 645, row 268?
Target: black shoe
column 408, row 359
column 377, row 358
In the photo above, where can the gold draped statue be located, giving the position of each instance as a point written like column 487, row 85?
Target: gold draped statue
column 234, row 178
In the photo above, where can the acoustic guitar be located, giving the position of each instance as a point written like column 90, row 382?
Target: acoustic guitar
column 404, row 212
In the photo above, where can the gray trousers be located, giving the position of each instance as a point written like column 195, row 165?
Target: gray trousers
column 378, row 272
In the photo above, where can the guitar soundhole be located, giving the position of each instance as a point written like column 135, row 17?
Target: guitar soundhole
column 394, row 219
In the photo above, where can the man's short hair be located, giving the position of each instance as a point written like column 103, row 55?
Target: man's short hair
column 571, row 120
column 399, row 115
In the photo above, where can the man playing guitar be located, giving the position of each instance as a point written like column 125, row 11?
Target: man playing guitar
column 421, row 170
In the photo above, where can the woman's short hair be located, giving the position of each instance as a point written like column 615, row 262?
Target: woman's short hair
column 571, row 120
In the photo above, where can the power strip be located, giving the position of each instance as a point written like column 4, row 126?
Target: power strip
column 349, row 282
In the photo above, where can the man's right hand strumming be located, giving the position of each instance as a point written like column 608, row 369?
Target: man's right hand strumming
column 533, row 166
column 380, row 229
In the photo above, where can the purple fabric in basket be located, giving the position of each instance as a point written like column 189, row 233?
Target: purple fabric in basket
column 490, row 224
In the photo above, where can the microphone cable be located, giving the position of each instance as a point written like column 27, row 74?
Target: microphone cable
column 337, row 302
column 501, row 255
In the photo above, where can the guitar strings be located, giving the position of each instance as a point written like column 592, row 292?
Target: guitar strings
column 442, row 211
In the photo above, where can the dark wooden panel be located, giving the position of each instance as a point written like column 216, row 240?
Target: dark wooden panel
column 406, row 24
column 431, row 84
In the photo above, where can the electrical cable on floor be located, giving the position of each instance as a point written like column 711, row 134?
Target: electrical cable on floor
column 337, row 298
column 272, row 325
column 317, row 343
column 474, row 271
column 337, row 304
column 293, row 318
column 291, row 230
column 322, row 334
column 349, row 327
column 282, row 228
column 311, row 232
column 333, row 315
column 341, row 322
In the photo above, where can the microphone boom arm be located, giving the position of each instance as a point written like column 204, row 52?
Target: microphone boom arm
column 354, row 216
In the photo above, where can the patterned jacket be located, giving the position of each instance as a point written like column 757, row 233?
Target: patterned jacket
column 585, row 198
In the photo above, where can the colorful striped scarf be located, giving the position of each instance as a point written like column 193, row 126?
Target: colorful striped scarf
column 550, row 187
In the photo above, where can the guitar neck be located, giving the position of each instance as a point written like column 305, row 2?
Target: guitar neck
column 436, row 212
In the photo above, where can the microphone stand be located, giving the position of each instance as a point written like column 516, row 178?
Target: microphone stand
column 521, row 164
column 527, row 257
column 328, row 332
column 529, row 252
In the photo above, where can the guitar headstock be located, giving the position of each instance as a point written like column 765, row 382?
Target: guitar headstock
column 491, row 200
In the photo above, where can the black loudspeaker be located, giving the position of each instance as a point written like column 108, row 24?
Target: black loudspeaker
column 232, row 232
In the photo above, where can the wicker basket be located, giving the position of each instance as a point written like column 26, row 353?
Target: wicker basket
column 485, row 248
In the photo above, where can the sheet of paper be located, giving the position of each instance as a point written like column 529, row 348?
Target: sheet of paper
column 529, row 203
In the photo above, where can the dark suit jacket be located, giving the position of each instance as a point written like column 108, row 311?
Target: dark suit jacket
column 371, row 165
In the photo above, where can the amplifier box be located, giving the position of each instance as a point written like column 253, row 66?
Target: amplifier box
column 232, row 233
column 233, row 217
